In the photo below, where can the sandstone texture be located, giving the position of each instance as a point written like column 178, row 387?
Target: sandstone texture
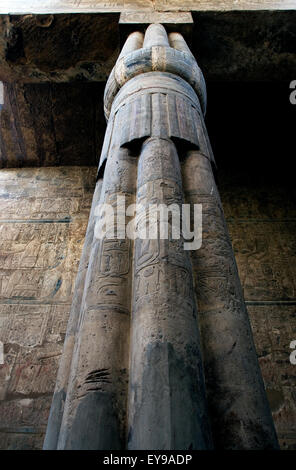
column 32, row 358
column 67, row 336
column 44, row 214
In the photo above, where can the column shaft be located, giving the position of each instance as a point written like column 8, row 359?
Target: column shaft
column 60, row 392
column 144, row 384
column 167, row 407
column 95, row 409
column 238, row 406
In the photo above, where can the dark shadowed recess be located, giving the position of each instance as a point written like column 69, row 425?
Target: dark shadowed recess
column 51, row 124
column 251, row 127
column 252, row 131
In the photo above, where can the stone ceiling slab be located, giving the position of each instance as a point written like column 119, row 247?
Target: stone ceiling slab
column 97, row 6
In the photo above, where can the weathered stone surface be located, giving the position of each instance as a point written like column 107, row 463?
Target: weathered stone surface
column 57, row 407
column 238, row 406
column 60, row 6
column 96, row 397
column 57, row 48
column 241, row 199
column 245, row 46
column 274, row 327
column 63, row 124
column 165, row 18
column 262, row 226
column 25, row 412
column 41, row 345
column 257, row 202
column 51, row 124
column 260, row 211
column 266, row 272
column 167, row 407
column 95, row 408
column 43, row 218
column 230, row 45
column 26, row 439
column 97, row 390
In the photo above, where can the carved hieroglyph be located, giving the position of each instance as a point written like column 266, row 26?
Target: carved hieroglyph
column 135, row 373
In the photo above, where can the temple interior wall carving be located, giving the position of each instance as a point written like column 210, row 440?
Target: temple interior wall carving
column 38, row 270
column 52, row 129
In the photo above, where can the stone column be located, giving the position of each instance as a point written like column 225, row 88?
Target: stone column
column 60, row 392
column 94, row 414
column 238, row 406
column 136, row 377
column 167, row 406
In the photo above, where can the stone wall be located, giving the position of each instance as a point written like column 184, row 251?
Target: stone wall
column 43, row 218
column 261, row 217
column 51, row 124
